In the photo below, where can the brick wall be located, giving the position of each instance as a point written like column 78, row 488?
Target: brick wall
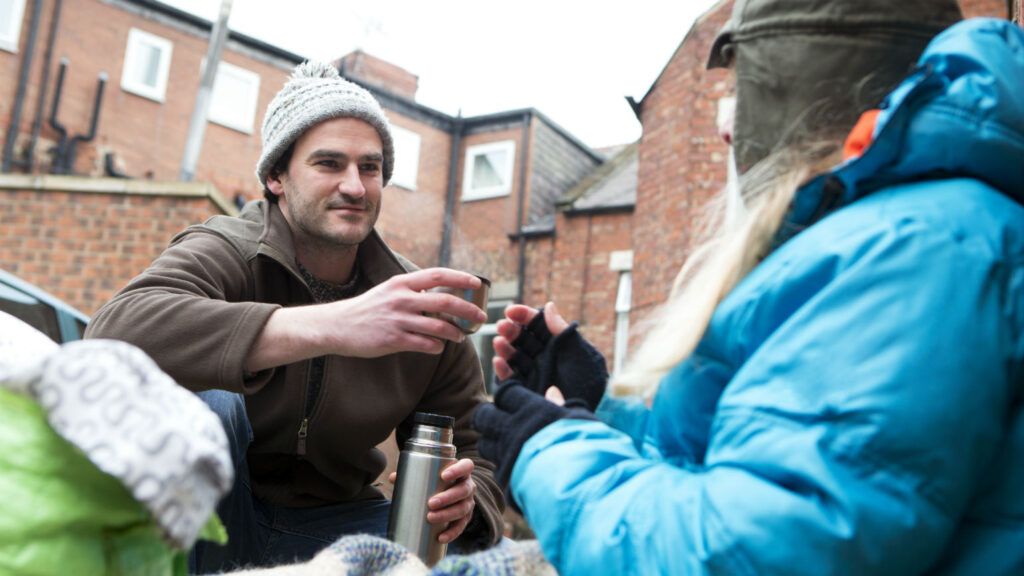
column 82, row 245
column 572, row 269
column 480, row 240
column 681, row 161
column 991, row 8
column 544, row 257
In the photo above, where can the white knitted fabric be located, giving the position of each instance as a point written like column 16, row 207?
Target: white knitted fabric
column 362, row 554
column 129, row 418
column 314, row 93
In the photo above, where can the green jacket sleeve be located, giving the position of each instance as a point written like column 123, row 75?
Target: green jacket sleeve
column 60, row 514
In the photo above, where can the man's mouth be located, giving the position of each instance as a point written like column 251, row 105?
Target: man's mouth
column 347, row 207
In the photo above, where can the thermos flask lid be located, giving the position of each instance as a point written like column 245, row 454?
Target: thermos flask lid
column 433, row 420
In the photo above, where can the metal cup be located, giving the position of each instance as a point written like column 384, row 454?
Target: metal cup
column 477, row 297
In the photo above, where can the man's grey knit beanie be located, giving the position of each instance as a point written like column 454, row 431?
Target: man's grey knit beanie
column 314, row 93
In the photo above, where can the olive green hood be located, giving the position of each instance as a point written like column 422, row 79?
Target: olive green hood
column 807, row 69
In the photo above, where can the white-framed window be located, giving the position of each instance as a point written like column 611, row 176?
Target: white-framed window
column 11, row 13
column 407, row 157
column 622, row 262
column 233, row 101
column 488, row 172
column 147, row 60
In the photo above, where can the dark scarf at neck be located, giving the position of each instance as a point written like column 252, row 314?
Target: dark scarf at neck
column 324, row 291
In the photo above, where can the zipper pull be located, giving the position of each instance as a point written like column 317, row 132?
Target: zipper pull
column 303, row 432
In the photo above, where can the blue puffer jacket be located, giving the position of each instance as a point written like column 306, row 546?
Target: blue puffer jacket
column 856, row 405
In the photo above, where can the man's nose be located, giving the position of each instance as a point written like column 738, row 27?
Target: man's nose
column 351, row 183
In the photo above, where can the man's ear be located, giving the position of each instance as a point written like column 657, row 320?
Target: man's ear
column 274, row 183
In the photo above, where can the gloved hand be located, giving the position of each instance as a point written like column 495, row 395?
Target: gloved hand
column 516, row 415
column 567, row 361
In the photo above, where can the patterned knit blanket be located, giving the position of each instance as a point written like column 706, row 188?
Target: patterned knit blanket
column 364, row 555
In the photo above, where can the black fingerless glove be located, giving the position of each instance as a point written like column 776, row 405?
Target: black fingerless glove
column 567, row 361
column 516, row 415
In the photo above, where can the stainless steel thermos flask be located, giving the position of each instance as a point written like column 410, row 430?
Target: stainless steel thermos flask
column 426, row 453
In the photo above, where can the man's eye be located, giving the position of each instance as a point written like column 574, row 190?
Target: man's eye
column 327, row 163
column 370, row 168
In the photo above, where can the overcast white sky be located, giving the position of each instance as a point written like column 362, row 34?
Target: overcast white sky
column 573, row 60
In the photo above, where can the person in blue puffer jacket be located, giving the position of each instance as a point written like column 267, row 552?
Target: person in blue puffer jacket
column 836, row 386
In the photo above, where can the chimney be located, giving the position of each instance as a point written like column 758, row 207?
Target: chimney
column 365, row 69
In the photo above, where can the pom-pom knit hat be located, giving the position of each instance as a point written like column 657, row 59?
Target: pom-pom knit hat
column 315, row 93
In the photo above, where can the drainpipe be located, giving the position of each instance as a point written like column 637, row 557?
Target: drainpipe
column 62, row 132
column 525, row 147
column 72, row 151
column 197, row 126
column 19, row 96
column 37, row 123
column 444, row 258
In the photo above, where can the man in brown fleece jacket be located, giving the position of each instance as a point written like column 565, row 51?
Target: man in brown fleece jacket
column 308, row 336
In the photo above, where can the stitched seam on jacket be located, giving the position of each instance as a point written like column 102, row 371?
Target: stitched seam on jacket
column 971, row 114
column 861, row 462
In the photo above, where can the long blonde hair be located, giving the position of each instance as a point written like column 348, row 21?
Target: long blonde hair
column 736, row 239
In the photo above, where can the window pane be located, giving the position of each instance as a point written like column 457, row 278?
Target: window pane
column 11, row 17
column 80, row 327
column 34, row 313
column 7, row 17
column 407, row 157
column 483, row 341
column 147, row 60
column 228, row 92
column 496, row 310
column 487, row 169
column 233, row 101
column 147, row 64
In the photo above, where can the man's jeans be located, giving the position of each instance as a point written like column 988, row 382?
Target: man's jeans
column 261, row 534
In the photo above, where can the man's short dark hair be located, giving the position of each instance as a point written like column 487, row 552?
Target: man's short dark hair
column 280, row 167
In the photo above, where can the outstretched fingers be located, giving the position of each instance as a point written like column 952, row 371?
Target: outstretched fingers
column 520, row 313
column 501, row 368
column 433, row 277
column 553, row 319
